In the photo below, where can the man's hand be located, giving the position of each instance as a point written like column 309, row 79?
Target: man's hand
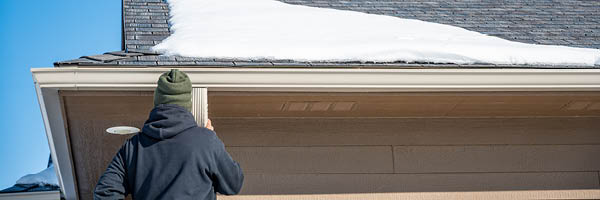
column 209, row 125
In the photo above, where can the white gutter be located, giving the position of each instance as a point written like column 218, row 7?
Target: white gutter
column 50, row 80
column 223, row 79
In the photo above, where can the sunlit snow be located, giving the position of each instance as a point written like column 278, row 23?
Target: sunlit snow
column 269, row 29
column 45, row 177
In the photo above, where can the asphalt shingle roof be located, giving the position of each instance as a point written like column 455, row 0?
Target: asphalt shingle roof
column 573, row 23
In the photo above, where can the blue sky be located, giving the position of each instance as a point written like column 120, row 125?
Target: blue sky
column 36, row 33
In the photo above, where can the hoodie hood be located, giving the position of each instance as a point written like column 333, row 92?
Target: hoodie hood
column 168, row 120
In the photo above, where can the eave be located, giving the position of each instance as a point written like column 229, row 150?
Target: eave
column 49, row 81
column 326, row 79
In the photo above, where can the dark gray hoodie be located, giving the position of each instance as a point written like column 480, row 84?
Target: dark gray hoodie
column 172, row 158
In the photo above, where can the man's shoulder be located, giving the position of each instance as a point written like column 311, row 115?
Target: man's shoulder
column 200, row 131
column 201, row 134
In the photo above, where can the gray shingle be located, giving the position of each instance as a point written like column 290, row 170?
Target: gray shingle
column 251, row 63
column 505, row 19
column 105, row 57
column 214, row 63
column 554, row 22
column 137, row 63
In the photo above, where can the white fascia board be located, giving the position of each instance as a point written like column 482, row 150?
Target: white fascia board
column 333, row 80
column 49, row 101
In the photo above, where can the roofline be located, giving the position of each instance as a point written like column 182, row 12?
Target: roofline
column 49, row 81
column 332, row 79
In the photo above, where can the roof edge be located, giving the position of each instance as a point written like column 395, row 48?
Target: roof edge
column 334, row 80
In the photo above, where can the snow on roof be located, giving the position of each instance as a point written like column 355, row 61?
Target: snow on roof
column 269, row 29
column 44, row 180
column 44, row 177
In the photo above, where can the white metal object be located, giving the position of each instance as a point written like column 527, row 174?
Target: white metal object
column 330, row 80
column 200, row 105
column 50, row 107
column 122, row 130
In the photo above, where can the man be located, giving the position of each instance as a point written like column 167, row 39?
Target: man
column 172, row 158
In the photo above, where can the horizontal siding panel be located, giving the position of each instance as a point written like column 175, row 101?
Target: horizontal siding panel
column 505, row 158
column 488, row 195
column 441, row 104
column 384, row 183
column 406, row 131
column 314, row 159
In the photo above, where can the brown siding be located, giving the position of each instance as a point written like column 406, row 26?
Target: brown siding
column 374, row 159
column 306, row 155
column 524, row 144
column 390, row 145
column 88, row 116
column 383, row 183
column 406, row 131
column 502, row 158
column 448, row 104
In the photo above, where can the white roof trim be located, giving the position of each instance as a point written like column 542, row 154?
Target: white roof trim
column 52, row 115
column 333, row 80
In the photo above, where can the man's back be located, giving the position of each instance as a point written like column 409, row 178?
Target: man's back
column 171, row 158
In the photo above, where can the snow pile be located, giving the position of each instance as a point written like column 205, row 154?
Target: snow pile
column 45, row 177
column 269, row 29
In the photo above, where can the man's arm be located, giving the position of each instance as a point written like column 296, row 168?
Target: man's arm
column 227, row 176
column 113, row 183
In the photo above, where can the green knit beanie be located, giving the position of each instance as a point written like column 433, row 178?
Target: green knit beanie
column 174, row 87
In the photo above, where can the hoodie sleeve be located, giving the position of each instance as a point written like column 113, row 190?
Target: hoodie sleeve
column 227, row 177
column 113, row 183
